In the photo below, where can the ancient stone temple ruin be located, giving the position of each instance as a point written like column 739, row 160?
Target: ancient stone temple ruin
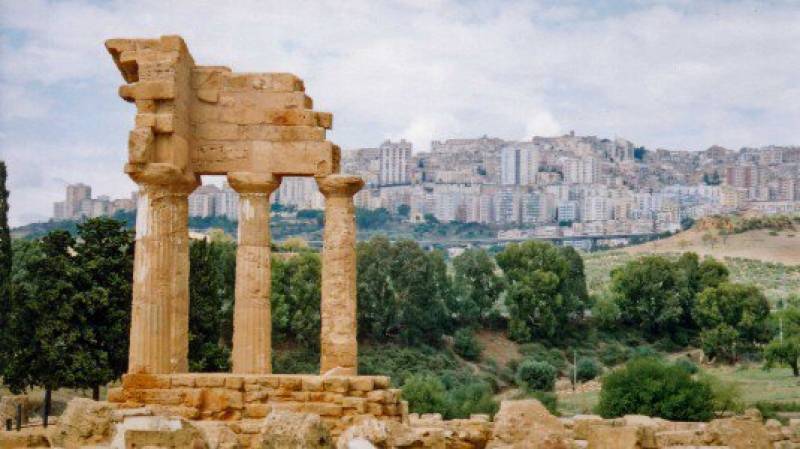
column 255, row 128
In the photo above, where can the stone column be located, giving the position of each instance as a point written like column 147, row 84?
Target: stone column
column 339, row 345
column 252, row 325
column 160, row 312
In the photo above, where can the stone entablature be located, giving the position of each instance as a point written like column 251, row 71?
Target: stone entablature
column 255, row 128
column 243, row 401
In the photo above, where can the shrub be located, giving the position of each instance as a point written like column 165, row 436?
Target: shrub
column 587, row 369
column 471, row 398
column 606, row 312
column 553, row 356
column 535, row 375
column 648, row 386
column 727, row 397
column 295, row 361
column 641, row 352
column 614, row 353
column 466, row 345
column 425, row 394
column 687, row 365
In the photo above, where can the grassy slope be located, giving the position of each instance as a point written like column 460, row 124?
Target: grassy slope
column 756, row 245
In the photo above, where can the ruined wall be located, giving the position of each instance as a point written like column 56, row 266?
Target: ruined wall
column 243, row 401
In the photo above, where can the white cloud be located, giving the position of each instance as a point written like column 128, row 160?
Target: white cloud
column 670, row 74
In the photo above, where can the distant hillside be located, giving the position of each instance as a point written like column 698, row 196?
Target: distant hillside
column 761, row 244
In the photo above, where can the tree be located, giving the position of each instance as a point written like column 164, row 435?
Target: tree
column 104, row 258
column 575, row 284
column 477, row 287
column 211, row 292
column 540, row 297
column 5, row 261
column 296, row 296
column 648, row 386
column 786, row 352
column 733, row 317
column 650, row 294
column 466, row 345
column 49, row 345
column 402, row 291
column 404, row 210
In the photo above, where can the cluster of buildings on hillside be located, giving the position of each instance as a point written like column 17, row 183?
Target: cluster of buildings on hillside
column 574, row 185
column 80, row 204
column 547, row 186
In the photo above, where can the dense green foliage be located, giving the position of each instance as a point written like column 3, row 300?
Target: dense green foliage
column 543, row 293
column 212, row 271
column 648, row 386
column 466, row 345
column 786, row 352
column 296, row 299
column 5, row 260
column 733, row 318
column 587, row 369
column 477, row 288
column 657, row 295
column 535, row 375
column 402, row 292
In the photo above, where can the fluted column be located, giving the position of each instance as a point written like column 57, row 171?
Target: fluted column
column 339, row 345
column 159, row 338
column 252, row 325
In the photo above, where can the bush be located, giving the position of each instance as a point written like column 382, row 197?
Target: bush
column 536, row 376
column 648, row 386
column 587, row 369
column 295, row 361
column 643, row 352
column 553, row 356
column 687, row 365
column 614, row 353
column 727, row 397
column 472, row 398
column 425, row 394
column 606, row 312
column 466, row 345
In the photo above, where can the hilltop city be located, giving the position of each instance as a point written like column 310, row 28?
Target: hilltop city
column 548, row 187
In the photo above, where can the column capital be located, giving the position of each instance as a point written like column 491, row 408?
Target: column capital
column 247, row 182
column 164, row 176
column 339, row 185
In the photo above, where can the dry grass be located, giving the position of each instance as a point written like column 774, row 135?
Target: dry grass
column 756, row 245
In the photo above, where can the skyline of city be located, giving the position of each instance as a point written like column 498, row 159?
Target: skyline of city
column 546, row 187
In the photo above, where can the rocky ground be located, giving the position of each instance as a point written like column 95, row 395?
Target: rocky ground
column 522, row 424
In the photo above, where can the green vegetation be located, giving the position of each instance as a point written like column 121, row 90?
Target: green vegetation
column 648, row 386
column 5, row 260
column 534, row 375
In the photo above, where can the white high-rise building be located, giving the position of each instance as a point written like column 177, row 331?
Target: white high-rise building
column 76, row 193
column 201, row 201
column 394, row 160
column 226, row 203
column 300, row 192
column 585, row 170
column 519, row 165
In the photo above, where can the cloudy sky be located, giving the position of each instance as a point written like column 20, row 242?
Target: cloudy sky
column 678, row 74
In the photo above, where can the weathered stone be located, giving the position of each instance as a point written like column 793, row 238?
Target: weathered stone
column 625, row 437
column 156, row 432
column 739, row 433
column 527, row 424
column 217, row 435
column 8, row 408
column 83, row 423
column 283, row 430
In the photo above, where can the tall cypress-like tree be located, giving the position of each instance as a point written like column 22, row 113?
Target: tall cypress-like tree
column 104, row 261
column 5, row 262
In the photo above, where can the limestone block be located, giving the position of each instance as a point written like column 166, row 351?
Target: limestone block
column 8, row 408
column 527, row 424
column 625, row 437
column 31, row 437
column 257, row 410
column 337, row 384
column 148, row 90
column 282, row 133
column 583, row 423
column 156, row 432
column 273, row 82
column 210, row 381
column 312, row 383
column 83, row 423
column 282, row 430
column 362, row 383
column 217, row 435
column 740, row 433
column 141, row 144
